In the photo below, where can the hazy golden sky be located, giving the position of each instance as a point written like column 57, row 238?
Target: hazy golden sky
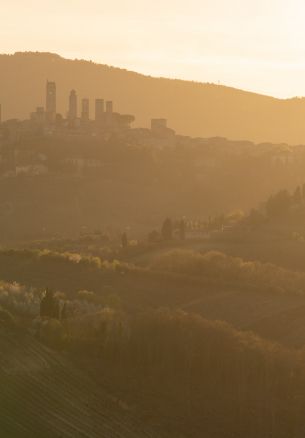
column 257, row 45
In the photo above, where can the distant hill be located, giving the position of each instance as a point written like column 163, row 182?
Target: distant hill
column 196, row 109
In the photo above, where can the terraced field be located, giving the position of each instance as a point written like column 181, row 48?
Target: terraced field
column 43, row 395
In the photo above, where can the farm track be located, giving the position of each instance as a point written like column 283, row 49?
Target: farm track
column 43, row 395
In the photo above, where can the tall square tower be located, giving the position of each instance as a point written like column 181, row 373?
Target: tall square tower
column 51, row 101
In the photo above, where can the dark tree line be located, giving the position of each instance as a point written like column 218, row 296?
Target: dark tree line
column 169, row 228
column 281, row 202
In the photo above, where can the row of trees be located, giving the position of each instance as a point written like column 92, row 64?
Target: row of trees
column 170, row 229
column 205, row 373
column 281, row 202
column 218, row 267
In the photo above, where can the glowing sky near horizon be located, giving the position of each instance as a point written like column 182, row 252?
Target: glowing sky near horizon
column 256, row 45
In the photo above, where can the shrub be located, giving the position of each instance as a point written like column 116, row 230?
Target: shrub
column 216, row 266
column 52, row 333
column 6, row 318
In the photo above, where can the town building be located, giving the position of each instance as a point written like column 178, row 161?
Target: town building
column 85, row 116
column 99, row 110
column 72, row 112
column 50, row 102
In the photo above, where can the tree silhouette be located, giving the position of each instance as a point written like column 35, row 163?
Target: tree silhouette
column 154, row 236
column 49, row 305
column 64, row 312
column 278, row 204
column 182, row 229
column 124, row 240
column 297, row 196
column 167, row 229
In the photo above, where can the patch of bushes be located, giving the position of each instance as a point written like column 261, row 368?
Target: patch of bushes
column 19, row 299
column 218, row 266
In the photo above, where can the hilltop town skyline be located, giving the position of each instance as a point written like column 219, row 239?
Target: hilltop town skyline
column 194, row 109
column 78, row 111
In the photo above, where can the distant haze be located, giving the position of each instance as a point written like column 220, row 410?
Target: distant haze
column 253, row 45
column 198, row 110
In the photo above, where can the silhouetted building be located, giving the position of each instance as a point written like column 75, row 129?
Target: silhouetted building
column 51, row 101
column 59, row 120
column 39, row 115
column 160, row 130
column 99, row 110
column 109, row 107
column 85, row 110
column 157, row 124
column 72, row 113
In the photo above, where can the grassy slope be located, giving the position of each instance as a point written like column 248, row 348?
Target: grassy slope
column 272, row 314
column 43, row 395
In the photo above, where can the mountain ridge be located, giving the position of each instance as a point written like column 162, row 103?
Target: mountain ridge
column 192, row 108
column 167, row 78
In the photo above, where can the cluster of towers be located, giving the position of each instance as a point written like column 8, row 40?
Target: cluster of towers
column 85, row 108
column 105, row 119
column 50, row 115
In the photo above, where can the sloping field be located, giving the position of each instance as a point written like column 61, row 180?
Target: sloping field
column 42, row 395
column 274, row 315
